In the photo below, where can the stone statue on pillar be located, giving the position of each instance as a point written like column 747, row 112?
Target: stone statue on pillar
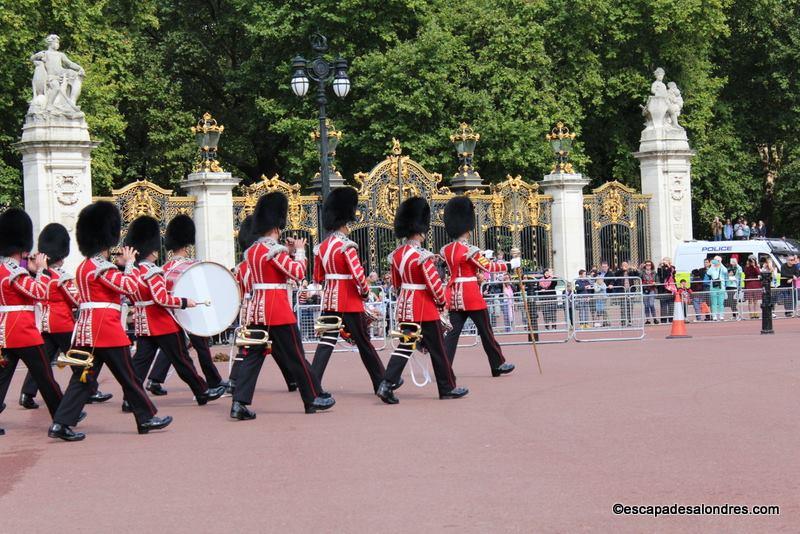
column 57, row 82
column 664, row 104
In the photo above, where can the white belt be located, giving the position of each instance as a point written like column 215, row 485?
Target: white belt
column 462, row 279
column 246, row 296
column 143, row 303
column 99, row 306
column 19, row 308
column 270, row 286
column 414, row 287
column 338, row 277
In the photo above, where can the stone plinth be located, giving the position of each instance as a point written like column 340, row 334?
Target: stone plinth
column 567, row 218
column 665, row 167
column 466, row 181
column 57, row 174
column 213, row 215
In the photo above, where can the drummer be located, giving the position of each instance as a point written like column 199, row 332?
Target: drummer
column 155, row 327
column 180, row 235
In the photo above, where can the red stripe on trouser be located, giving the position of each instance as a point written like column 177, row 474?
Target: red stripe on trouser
column 452, row 379
column 46, row 367
column 298, row 350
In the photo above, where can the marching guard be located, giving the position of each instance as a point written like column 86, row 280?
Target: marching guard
column 464, row 298
column 20, row 289
column 419, row 302
column 58, row 307
column 98, row 333
column 246, row 238
column 271, row 266
column 179, row 236
column 155, row 327
column 336, row 263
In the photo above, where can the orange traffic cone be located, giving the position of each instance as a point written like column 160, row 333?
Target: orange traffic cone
column 678, row 320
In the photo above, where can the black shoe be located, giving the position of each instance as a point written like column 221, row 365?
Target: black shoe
column 399, row 383
column 325, row 394
column 386, row 393
column 320, row 404
column 64, row 432
column 155, row 388
column 126, row 407
column 503, row 369
column 241, row 412
column 455, row 393
column 210, row 394
column 291, row 386
column 229, row 388
column 154, row 423
column 99, row 397
column 81, row 417
column 27, row 402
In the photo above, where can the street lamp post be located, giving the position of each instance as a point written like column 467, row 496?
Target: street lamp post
column 561, row 139
column 321, row 71
column 464, row 140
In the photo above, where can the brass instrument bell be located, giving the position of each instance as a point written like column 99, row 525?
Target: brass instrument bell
column 327, row 323
column 77, row 358
column 246, row 337
column 408, row 333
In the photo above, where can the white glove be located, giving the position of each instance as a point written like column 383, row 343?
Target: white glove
column 515, row 263
column 488, row 254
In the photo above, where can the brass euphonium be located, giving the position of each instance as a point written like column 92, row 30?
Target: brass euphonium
column 76, row 358
column 327, row 323
column 408, row 333
column 246, row 337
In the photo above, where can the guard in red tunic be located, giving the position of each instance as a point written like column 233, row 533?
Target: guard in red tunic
column 420, row 299
column 57, row 317
column 99, row 331
column 464, row 298
column 246, row 238
column 20, row 289
column 271, row 267
column 154, row 325
column 180, row 235
column 336, row 263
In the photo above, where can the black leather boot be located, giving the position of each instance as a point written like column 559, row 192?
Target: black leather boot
column 99, row 397
column 241, row 412
column 27, row 402
column 503, row 369
column 386, row 393
column 455, row 393
column 64, row 432
column 320, row 404
column 155, row 388
column 154, row 423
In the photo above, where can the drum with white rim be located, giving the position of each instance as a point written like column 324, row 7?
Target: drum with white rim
column 215, row 290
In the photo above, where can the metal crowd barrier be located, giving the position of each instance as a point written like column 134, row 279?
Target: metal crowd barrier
column 608, row 309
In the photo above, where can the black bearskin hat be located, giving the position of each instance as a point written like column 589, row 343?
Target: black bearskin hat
column 339, row 208
column 270, row 213
column 54, row 241
column 98, row 227
column 144, row 234
column 413, row 217
column 459, row 216
column 180, row 232
column 246, row 236
column 16, row 232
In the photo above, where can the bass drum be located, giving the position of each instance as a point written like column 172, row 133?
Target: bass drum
column 205, row 282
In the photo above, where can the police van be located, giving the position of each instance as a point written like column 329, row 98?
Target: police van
column 690, row 254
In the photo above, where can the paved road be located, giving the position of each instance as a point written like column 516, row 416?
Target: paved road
column 711, row 420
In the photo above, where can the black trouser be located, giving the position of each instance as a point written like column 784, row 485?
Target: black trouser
column 287, row 345
column 484, row 326
column 200, row 344
column 432, row 333
column 118, row 360
column 38, row 365
column 53, row 344
column 173, row 347
column 356, row 325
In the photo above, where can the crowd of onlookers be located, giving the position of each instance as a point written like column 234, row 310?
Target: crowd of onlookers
column 737, row 230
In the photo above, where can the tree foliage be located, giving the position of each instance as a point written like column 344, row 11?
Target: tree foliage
column 511, row 68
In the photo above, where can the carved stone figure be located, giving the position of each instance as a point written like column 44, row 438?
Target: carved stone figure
column 664, row 104
column 56, row 83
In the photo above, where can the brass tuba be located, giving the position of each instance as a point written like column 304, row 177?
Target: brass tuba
column 246, row 337
column 76, row 358
column 327, row 323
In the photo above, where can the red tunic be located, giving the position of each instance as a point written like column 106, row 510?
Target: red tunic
column 464, row 261
column 101, row 287
column 421, row 290
column 150, row 316
column 171, row 264
column 20, row 290
column 271, row 267
column 336, row 263
column 62, row 300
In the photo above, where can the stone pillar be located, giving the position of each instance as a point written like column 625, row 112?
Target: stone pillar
column 665, row 167
column 569, row 254
column 213, row 215
column 57, row 174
